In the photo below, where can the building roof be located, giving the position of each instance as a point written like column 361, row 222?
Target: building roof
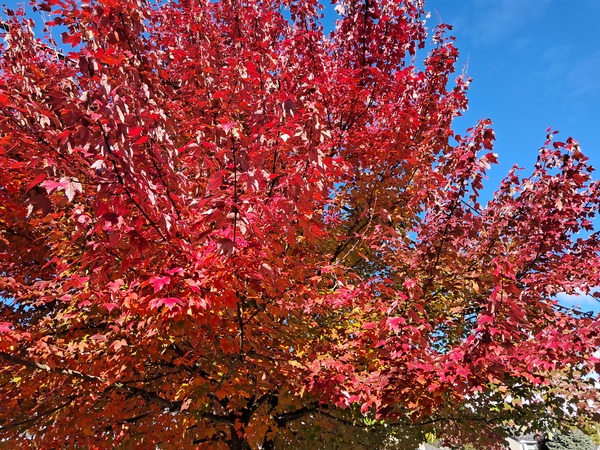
column 525, row 437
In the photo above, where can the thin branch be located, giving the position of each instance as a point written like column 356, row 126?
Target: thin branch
column 38, row 416
column 122, row 183
column 149, row 395
column 6, row 27
column 283, row 419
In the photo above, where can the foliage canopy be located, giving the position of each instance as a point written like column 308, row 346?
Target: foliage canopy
column 221, row 227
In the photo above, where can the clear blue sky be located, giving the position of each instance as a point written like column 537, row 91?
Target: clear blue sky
column 534, row 64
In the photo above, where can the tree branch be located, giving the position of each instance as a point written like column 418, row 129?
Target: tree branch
column 38, row 416
column 148, row 395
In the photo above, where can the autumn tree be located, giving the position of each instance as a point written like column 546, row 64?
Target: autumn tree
column 222, row 227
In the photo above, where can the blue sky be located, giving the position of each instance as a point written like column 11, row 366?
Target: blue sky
column 534, row 64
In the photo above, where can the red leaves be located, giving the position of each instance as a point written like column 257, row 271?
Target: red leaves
column 52, row 185
column 37, row 180
column 110, row 306
column 159, row 282
column 488, row 138
column 70, row 38
column 70, row 186
column 135, row 131
column 222, row 212
column 484, row 320
column 168, row 302
column 118, row 344
column 142, row 140
column 215, row 181
column 492, row 158
column 395, row 323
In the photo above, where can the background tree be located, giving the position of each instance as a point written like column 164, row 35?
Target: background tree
column 574, row 440
column 222, row 228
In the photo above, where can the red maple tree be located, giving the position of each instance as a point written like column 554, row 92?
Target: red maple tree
column 221, row 227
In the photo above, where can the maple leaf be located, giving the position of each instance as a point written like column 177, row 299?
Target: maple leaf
column 70, row 186
column 169, row 302
column 159, row 282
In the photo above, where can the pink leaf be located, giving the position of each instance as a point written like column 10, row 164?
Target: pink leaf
column 484, row 320
column 110, row 306
column 69, row 185
column 98, row 338
column 186, row 404
column 396, row 322
column 116, row 345
column 169, row 302
column 159, row 282
column 227, row 127
column 176, row 270
column 51, row 185
column 73, row 186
